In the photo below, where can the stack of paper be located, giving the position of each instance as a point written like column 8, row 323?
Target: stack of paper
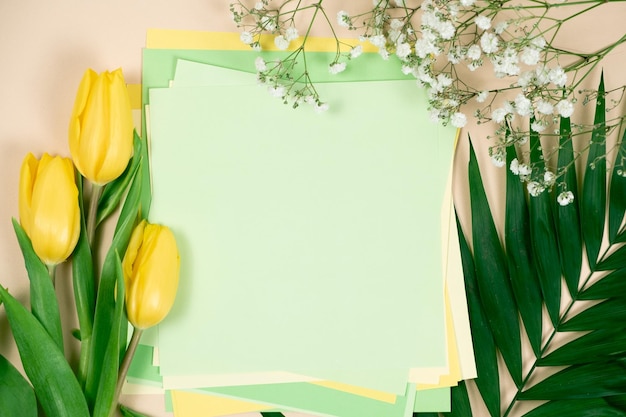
column 318, row 267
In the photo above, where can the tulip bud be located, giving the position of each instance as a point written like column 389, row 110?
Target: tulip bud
column 48, row 206
column 151, row 268
column 101, row 127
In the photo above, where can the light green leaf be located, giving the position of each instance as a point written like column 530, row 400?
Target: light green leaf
column 524, row 280
column 43, row 299
column 593, row 204
column 54, row 382
column 127, row 412
column 17, row 397
column 567, row 218
column 492, row 276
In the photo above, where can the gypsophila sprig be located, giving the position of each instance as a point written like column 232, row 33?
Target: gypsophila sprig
column 448, row 46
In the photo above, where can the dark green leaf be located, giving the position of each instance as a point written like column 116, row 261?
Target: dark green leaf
column 488, row 382
column 492, row 276
column 114, row 191
column 54, row 382
column 593, row 204
column 593, row 407
column 617, row 192
column 591, row 347
column 43, row 299
column 567, row 218
column 605, row 315
column 271, row 414
column 616, row 260
column 108, row 378
column 105, row 304
column 425, row 414
column 460, row 406
column 524, row 279
column 594, row 380
column 610, row 285
column 17, row 397
column 543, row 237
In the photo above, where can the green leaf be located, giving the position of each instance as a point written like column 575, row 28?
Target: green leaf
column 43, row 299
column 271, row 414
column 524, row 280
column 594, row 380
column 611, row 284
column 54, row 382
column 108, row 378
column 596, row 346
column 543, row 237
column 105, row 304
column 492, row 275
column 114, row 191
column 593, row 204
column 460, row 406
column 616, row 260
column 593, row 407
column 16, row 395
column 608, row 314
column 567, row 218
column 617, row 192
column 488, row 382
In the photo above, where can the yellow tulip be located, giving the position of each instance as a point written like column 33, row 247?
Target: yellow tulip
column 101, row 127
column 48, row 206
column 151, row 267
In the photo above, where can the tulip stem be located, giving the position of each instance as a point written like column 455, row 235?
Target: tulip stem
column 52, row 269
column 96, row 192
column 128, row 357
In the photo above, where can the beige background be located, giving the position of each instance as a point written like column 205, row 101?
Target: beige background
column 45, row 46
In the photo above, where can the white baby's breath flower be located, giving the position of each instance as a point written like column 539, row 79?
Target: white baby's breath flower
column 343, row 19
column 446, row 30
column 260, row 65
column 565, row 108
column 356, row 51
column 557, row 76
column 291, row 34
column 277, row 90
column 525, row 170
column 259, row 5
column 321, row 107
column 281, row 43
column 482, row 96
column 537, row 126
column 268, row 23
column 403, row 50
column 534, row 188
column 499, row 114
column 246, row 37
column 498, row 159
column 336, row 67
column 501, row 27
column 400, row 3
column 541, row 76
column 544, row 107
column 395, row 24
column 539, row 42
column 474, row 52
column 458, row 120
column 530, row 56
column 549, row 177
column 565, row 198
column 467, row 3
column 522, row 105
column 483, row 22
column 514, row 166
column 525, row 79
column 377, row 40
column 489, row 43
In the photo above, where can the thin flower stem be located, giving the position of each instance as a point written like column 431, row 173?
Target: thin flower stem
column 52, row 269
column 96, row 192
column 128, row 357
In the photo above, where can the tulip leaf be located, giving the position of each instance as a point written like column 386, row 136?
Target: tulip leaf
column 114, row 191
column 43, row 299
column 492, row 276
column 592, row 407
column 594, row 380
column 486, row 357
column 524, row 280
column 567, row 218
column 127, row 412
column 52, row 377
column 543, row 237
column 593, row 204
column 117, row 340
column 105, row 304
column 16, row 395
column 617, row 201
column 596, row 346
column 84, row 287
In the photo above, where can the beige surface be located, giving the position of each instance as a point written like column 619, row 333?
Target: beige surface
column 45, row 46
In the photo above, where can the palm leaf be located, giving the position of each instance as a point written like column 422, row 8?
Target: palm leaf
column 591, row 378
